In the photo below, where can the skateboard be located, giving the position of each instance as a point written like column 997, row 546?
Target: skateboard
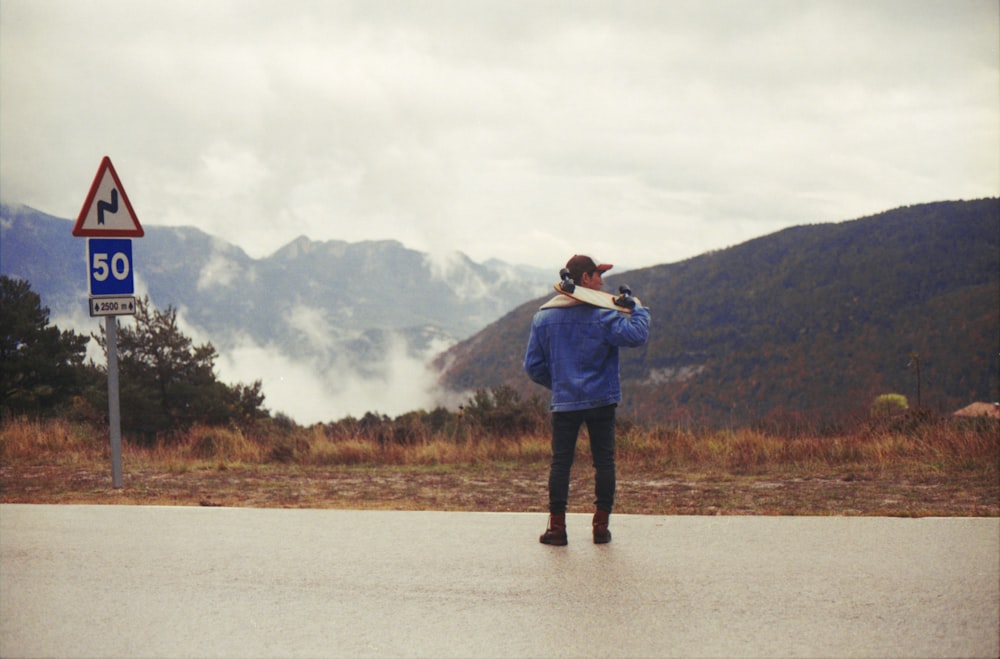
column 623, row 302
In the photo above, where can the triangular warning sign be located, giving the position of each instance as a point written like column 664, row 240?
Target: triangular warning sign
column 107, row 211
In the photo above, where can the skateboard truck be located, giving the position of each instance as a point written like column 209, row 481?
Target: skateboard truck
column 625, row 298
column 567, row 282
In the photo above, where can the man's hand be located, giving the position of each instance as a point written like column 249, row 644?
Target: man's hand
column 625, row 298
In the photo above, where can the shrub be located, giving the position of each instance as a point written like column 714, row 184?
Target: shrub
column 888, row 405
column 230, row 445
column 22, row 439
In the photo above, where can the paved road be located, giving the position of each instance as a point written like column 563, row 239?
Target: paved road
column 116, row 581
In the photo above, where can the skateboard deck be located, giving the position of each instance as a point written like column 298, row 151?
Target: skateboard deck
column 597, row 298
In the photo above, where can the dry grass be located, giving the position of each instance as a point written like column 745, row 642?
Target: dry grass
column 932, row 469
column 749, row 451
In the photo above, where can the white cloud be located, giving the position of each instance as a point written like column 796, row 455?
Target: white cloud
column 523, row 131
column 222, row 270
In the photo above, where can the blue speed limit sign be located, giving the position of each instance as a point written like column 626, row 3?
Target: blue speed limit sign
column 110, row 263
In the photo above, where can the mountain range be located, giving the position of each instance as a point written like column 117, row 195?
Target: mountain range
column 803, row 326
column 343, row 312
column 806, row 325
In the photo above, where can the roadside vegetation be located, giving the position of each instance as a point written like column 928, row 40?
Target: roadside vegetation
column 449, row 461
column 191, row 440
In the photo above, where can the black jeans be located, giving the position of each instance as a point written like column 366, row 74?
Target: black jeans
column 565, row 430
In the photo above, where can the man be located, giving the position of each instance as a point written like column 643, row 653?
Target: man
column 573, row 350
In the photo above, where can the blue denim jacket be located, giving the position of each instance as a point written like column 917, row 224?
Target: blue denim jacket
column 574, row 352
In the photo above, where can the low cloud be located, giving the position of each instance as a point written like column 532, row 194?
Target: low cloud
column 310, row 324
column 222, row 269
column 317, row 389
column 311, row 394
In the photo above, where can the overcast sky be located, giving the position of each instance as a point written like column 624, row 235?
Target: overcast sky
column 643, row 132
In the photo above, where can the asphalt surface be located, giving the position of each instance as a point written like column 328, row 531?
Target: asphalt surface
column 118, row 581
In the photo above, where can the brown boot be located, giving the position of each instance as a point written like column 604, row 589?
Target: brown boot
column 601, row 533
column 555, row 534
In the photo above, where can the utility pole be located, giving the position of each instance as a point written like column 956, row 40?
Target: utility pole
column 915, row 360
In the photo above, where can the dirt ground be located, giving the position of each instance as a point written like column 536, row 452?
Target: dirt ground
column 508, row 488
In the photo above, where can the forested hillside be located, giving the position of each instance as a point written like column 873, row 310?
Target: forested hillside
column 806, row 325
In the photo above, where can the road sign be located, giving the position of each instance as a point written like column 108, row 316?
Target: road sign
column 107, row 212
column 110, row 264
column 117, row 305
column 108, row 221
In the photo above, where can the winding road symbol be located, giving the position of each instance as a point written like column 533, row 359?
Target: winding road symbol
column 103, row 206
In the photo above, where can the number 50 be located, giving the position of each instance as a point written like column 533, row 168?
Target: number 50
column 118, row 267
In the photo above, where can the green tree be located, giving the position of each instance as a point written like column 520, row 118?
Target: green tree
column 502, row 412
column 167, row 383
column 41, row 367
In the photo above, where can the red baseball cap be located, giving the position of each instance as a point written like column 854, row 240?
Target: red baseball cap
column 580, row 265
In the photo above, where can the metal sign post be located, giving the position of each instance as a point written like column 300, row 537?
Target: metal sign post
column 114, row 408
column 109, row 227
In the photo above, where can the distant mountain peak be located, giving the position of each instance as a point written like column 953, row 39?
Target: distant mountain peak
column 294, row 249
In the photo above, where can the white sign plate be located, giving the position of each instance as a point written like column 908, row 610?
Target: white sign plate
column 112, row 305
